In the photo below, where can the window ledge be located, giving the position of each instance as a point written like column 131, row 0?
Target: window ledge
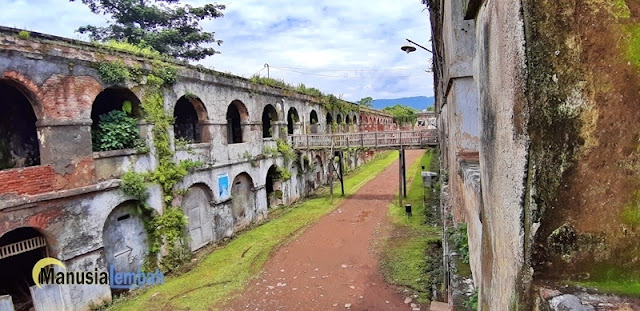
column 115, row 153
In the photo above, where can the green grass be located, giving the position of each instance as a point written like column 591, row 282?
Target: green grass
column 405, row 261
column 228, row 270
column 609, row 279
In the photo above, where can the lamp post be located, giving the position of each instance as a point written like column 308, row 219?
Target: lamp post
column 410, row 48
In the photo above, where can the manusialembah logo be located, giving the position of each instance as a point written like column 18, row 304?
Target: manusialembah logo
column 44, row 273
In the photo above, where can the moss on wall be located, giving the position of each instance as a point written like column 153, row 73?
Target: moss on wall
column 583, row 80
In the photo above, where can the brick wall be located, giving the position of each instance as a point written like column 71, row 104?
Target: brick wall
column 27, row 180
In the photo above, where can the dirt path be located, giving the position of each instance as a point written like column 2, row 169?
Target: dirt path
column 331, row 266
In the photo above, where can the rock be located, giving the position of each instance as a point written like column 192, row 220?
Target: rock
column 352, row 287
column 413, row 305
column 270, row 287
column 569, row 303
column 386, row 301
column 408, row 300
column 347, row 305
column 548, row 293
column 415, row 309
column 344, row 266
column 281, row 270
column 335, row 304
column 155, row 294
column 281, row 284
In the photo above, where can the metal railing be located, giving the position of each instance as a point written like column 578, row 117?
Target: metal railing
column 391, row 139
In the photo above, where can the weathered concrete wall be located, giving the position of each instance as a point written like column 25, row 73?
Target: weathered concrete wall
column 500, row 65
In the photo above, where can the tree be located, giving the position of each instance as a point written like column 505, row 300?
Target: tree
column 402, row 114
column 367, row 102
column 164, row 25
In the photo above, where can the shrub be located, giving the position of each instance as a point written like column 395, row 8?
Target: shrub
column 116, row 130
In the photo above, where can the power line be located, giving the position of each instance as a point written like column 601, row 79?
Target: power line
column 346, row 76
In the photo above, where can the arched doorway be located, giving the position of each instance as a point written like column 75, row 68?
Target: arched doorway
column 292, row 119
column 313, row 122
column 269, row 115
column 114, row 116
column 319, row 170
column 197, row 204
column 273, row 186
column 189, row 113
column 20, row 249
column 348, row 122
column 236, row 114
column 329, row 122
column 19, row 146
column 242, row 203
column 124, row 238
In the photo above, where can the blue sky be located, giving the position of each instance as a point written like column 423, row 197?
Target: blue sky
column 345, row 47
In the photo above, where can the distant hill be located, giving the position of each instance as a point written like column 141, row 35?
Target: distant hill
column 417, row 102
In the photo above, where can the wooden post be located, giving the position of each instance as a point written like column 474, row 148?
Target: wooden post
column 404, row 172
column 361, row 140
column 308, row 142
column 400, row 177
column 376, row 138
column 340, row 159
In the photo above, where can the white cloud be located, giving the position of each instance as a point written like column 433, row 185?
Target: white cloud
column 321, row 37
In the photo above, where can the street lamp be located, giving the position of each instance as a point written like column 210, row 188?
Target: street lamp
column 410, row 48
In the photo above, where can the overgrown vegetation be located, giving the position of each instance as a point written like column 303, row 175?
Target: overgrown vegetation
column 412, row 256
column 472, row 301
column 402, row 114
column 24, row 35
column 116, row 130
column 217, row 277
column 328, row 101
column 460, row 241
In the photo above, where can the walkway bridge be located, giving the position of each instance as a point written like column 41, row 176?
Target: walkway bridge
column 400, row 140
column 377, row 140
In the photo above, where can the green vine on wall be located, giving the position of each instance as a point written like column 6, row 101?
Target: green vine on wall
column 168, row 228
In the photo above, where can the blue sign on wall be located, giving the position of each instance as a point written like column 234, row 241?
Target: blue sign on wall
column 223, row 186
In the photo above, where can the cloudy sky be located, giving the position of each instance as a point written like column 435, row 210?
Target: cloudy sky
column 345, row 47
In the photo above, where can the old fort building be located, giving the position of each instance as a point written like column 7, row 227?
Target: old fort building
column 214, row 145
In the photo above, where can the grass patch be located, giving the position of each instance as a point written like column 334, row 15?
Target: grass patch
column 411, row 256
column 609, row 279
column 228, row 270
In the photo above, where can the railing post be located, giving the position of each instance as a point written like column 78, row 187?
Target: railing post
column 347, row 136
column 400, row 142
column 361, row 140
column 308, row 142
column 376, row 138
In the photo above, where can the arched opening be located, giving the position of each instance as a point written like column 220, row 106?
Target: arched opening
column 196, row 204
column 19, row 146
column 313, row 121
column 243, row 199
column 348, row 122
column 339, row 119
column 269, row 115
column 189, row 114
column 20, row 249
column 329, row 122
column 292, row 118
column 319, row 169
column 114, row 116
column 236, row 113
column 124, row 238
column 273, row 186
